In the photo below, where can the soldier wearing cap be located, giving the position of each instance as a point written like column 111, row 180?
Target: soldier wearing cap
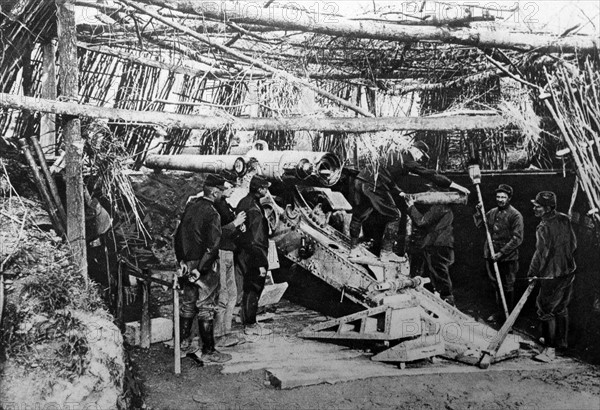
column 196, row 246
column 253, row 253
column 372, row 191
column 554, row 262
column 506, row 229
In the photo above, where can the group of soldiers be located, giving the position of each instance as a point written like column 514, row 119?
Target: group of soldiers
column 213, row 240
column 553, row 263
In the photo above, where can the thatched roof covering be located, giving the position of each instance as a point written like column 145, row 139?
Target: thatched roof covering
column 177, row 56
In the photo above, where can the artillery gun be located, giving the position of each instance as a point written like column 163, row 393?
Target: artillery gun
column 398, row 312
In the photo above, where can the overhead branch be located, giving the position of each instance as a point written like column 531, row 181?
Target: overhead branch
column 464, row 21
column 183, row 121
column 406, row 87
column 175, row 68
column 243, row 57
column 295, row 19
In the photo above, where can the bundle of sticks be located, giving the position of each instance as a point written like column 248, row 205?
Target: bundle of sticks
column 576, row 110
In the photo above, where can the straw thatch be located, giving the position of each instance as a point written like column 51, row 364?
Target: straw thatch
column 176, row 57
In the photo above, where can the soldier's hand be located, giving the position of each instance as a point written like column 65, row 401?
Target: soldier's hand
column 194, row 275
column 462, row 189
column 497, row 256
column 240, row 219
column 409, row 200
column 183, row 269
column 263, row 271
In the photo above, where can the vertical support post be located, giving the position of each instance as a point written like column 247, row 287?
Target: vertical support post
column 69, row 85
column 145, row 323
column 176, row 341
column 48, row 83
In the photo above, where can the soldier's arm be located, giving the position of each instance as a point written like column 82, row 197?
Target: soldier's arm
column 540, row 255
column 212, row 239
column 254, row 221
column 422, row 220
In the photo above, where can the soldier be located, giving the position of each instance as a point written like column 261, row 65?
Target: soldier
column 231, row 225
column 197, row 249
column 374, row 192
column 506, row 229
column 554, row 262
column 438, row 244
column 253, row 253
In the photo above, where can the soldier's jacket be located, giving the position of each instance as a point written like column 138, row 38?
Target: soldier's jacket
column 253, row 244
column 230, row 231
column 555, row 247
column 437, row 223
column 199, row 233
column 506, row 230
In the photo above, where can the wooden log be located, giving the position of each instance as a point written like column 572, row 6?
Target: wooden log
column 69, row 84
column 334, row 25
column 183, row 121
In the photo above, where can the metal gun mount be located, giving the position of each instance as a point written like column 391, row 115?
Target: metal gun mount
column 320, row 168
column 412, row 321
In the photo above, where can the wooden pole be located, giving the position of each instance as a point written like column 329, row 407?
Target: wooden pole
column 494, row 346
column 176, row 325
column 145, row 323
column 305, row 123
column 69, row 85
column 120, row 294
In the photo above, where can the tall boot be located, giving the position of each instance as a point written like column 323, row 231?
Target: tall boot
column 355, row 251
column 209, row 353
column 185, row 331
column 562, row 332
column 390, row 234
column 549, row 333
column 185, row 327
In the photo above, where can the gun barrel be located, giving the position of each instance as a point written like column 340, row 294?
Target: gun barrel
column 324, row 168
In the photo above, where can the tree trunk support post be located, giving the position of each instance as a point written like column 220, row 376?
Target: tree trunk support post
column 69, row 84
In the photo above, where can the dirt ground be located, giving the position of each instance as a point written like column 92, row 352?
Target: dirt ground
column 516, row 383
